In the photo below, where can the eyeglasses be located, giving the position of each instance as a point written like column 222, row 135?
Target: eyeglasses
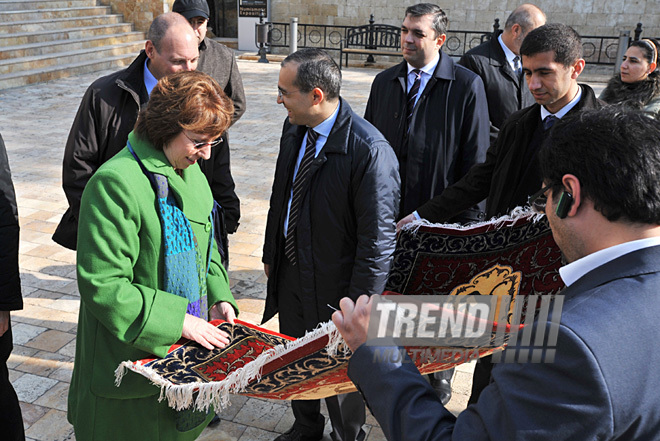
column 200, row 144
column 538, row 200
column 281, row 93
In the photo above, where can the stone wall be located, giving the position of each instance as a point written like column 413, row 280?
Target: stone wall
column 139, row 12
column 588, row 17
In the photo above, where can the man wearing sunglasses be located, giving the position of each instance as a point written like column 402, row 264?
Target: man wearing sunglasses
column 601, row 176
column 552, row 61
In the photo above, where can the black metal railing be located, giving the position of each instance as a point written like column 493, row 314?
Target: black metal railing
column 600, row 50
column 329, row 37
column 326, row 37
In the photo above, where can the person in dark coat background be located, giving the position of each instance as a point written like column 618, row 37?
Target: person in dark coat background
column 444, row 131
column 330, row 231
column 437, row 124
column 11, row 421
column 110, row 107
column 498, row 63
column 552, row 62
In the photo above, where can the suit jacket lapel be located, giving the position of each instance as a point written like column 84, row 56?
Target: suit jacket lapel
column 500, row 60
column 636, row 263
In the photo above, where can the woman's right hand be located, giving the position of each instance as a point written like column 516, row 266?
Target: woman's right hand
column 204, row 333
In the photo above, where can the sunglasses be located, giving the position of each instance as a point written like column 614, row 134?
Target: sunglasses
column 539, row 200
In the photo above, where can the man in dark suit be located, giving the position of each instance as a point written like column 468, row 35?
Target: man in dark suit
column 330, row 230
column 498, row 63
column 433, row 112
column 11, row 421
column 601, row 174
column 552, row 62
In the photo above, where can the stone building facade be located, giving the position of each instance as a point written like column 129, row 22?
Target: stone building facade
column 588, row 17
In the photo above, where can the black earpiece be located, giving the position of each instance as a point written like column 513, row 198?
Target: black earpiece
column 564, row 205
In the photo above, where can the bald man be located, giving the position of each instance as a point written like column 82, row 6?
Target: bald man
column 110, row 106
column 499, row 65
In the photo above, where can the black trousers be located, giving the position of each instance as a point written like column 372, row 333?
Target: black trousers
column 11, row 420
column 347, row 411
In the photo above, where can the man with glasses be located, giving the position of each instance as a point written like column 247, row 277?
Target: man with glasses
column 330, row 231
column 601, row 173
column 552, row 62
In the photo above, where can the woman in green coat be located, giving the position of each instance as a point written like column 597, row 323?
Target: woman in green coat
column 149, row 271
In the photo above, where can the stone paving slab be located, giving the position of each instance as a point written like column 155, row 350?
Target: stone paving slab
column 34, row 122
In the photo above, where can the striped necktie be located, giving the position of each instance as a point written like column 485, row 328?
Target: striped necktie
column 412, row 95
column 298, row 187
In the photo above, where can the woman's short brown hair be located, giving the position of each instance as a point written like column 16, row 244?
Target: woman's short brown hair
column 184, row 101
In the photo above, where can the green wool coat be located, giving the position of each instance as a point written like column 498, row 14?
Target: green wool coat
column 124, row 313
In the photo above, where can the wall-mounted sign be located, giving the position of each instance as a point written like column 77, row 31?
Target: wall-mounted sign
column 252, row 8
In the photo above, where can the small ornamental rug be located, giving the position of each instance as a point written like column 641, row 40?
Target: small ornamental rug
column 510, row 256
column 264, row 364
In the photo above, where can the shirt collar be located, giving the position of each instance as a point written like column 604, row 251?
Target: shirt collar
column 575, row 270
column 325, row 127
column 508, row 53
column 149, row 80
column 429, row 68
column 564, row 110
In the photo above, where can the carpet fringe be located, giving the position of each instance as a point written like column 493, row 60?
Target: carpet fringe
column 499, row 222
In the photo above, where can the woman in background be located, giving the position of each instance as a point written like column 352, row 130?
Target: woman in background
column 638, row 83
column 148, row 269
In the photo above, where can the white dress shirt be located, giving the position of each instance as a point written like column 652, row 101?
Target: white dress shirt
column 508, row 53
column 575, row 270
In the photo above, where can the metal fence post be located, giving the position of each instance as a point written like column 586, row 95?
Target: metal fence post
column 638, row 31
column 624, row 41
column 293, row 29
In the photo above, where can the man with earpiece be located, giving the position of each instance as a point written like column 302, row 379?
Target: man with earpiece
column 601, row 174
column 552, row 61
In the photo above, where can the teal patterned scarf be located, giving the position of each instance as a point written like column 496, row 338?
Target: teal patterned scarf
column 183, row 273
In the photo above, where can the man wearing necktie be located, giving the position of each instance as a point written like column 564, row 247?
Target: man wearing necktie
column 330, row 231
column 498, row 63
column 433, row 112
column 552, row 61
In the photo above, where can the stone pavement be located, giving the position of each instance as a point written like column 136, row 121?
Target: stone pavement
column 34, row 122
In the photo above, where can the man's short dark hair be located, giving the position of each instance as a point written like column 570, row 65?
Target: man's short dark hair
column 615, row 153
column 440, row 21
column 556, row 37
column 316, row 69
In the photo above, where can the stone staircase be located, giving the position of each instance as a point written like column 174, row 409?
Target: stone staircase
column 42, row 40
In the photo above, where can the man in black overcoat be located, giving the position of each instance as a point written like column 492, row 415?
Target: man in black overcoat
column 498, row 64
column 438, row 126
